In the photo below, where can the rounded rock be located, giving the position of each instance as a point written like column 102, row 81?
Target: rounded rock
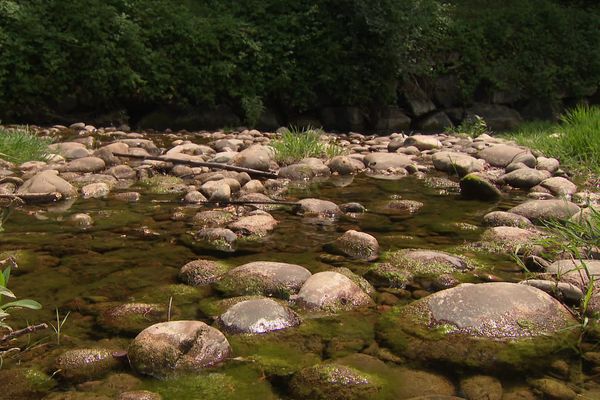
column 537, row 210
column 202, row 272
column 168, row 348
column 358, row 245
column 331, row 291
column 257, row 316
column 84, row 364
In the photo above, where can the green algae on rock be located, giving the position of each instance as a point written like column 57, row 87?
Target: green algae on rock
column 487, row 326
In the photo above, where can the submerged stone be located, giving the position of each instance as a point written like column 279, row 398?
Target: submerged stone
column 476, row 186
column 85, row 364
column 132, row 318
column 202, row 272
column 489, row 326
column 358, row 245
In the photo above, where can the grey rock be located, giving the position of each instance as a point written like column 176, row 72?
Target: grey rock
column 497, row 117
column 47, row 182
column 167, row 348
column 537, row 210
column 265, row 278
column 202, row 272
column 525, row 178
column 488, row 326
column 386, row 161
column 392, row 119
column 548, row 164
column 95, row 190
column 217, row 239
column 85, row 164
column 503, row 218
column 255, row 157
column 131, row 318
column 358, row 245
column 122, row 172
column 297, row 172
column 422, row 142
column 331, row 291
column 318, row 208
column 559, row 186
column 345, row 165
column 500, row 155
column 561, row 290
column 574, row 272
column 70, row 150
column 257, row 316
column 194, row 197
column 258, row 224
column 456, row 163
column 436, row 122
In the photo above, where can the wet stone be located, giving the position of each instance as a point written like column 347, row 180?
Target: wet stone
column 131, row 318
column 357, row 245
column 175, row 347
column 85, row 364
column 139, row 395
column 318, row 208
column 266, row 278
column 476, row 186
column 481, row 387
column 220, row 239
column 258, row 224
column 257, row 316
column 331, row 291
column 202, row 272
column 503, row 218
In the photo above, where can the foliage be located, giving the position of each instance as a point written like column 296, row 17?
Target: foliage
column 472, row 126
column 575, row 141
column 5, row 292
column 296, row 144
column 20, row 145
column 290, row 56
column 253, row 108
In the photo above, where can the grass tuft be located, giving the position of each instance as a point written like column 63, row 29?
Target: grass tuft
column 296, row 144
column 21, row 145
column 575, row 141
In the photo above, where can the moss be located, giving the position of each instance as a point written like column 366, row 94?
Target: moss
column 162, row 184
column 233, row 382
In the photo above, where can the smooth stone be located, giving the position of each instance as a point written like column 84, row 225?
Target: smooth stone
column 85, row 164
column 81, row 220
column 525, row 178
column 259, row 224
column 559, row 186
column 486, row 326
column 95, row 190
column 220, row 239
column 265, row 278
column 331, row 291
column 194, row 197
column 460, row 164
column 553, row 389
column 500, row 155
column 561, row 290
column 504, row 218
column 318, row 208
column 212, row 218
column 509, row 238
column 408, row 206
column 85, row 364
column 477, row 186
column 47, row 182
column 129, row 197
column 548, row 164
column 422, row 142
column 386, row 161
column 202, row 272
column 139, row 395
column 357, row 245
column 256, row 157
column 70, row 150
column 257, row 316
column 574, row 272
column 297, row 172
column 122, row 172
column 345, row 165
column 168, row 348
column 253, row 186
column 537, row 210
column 216, row 190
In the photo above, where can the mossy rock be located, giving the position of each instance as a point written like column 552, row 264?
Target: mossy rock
column 331, row 381
column 84, row 364
column 229, row 383
column 132, row 318
column 489, row 326
column 163, row 184
column 24, row 383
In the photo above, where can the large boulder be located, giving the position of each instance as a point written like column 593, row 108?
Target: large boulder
column 500, row 155
column 488, row 326
column 456, row 163
column 537, row 210
column 257, row 316
column 265, row 278
column 497, row 117
column 169, row 348
column 436, row 122
column 331, row 291
column 47, row 182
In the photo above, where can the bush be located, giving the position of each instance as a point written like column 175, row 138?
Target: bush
column 296, row 144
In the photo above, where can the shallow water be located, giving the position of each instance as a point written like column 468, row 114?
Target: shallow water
column 72, row 270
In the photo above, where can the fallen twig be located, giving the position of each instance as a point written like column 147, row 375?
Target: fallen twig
column 34, row 197
column 24, row 331
column 250, row 171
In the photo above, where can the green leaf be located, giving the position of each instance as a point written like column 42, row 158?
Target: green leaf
column 6, row 292
column 6, row 275
column 26, row 303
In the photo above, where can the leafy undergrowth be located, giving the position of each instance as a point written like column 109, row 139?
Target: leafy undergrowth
column 575, row 141
column 20, row 145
